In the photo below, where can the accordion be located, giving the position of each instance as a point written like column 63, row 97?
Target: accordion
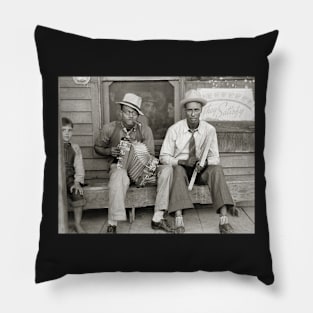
column 141, row 166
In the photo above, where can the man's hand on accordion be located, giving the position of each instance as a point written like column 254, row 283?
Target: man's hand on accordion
column 115, row 152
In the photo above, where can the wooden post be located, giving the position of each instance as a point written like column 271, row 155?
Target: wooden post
column 62, row 203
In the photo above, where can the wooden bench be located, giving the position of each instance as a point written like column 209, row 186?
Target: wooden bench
column 97, row 195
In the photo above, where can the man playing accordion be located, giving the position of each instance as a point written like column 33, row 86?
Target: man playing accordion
column 129, row 148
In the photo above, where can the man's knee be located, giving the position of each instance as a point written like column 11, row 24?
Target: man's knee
column 215, row 169
column 179, row 170
column 118, row 177
column 166, row 171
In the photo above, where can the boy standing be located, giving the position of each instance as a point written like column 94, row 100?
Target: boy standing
column 74, row 174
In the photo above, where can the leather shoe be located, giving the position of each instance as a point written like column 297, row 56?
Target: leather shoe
column 226, row 228
column 163, row 225
column 111, row 229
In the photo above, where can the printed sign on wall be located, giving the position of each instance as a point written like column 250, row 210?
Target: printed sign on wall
column 227, row 104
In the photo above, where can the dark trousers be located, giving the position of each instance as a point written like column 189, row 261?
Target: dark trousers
column 74, row 199
column 213, row 176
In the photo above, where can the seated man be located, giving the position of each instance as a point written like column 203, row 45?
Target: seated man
column 74, row 174
column 108, row 145
column 182, row 147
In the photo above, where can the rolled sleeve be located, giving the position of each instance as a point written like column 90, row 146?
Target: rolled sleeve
column 168, row 149
column 78, row 165
column 103, row 142
column 148, row 139
column 213, row 155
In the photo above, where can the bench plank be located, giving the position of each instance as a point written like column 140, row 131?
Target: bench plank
column 97, row 195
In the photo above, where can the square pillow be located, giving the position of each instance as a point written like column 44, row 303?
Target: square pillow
column 83, row 78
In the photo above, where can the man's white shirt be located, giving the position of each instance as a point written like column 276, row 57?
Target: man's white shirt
column 176, row 143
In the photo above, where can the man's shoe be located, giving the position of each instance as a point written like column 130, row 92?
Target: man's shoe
column 226, row 228
column 111, row 229
column 163, row 225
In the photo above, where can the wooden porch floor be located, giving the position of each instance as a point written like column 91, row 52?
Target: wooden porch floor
column 202, row 219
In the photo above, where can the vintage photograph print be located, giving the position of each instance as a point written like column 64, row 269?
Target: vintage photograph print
column 156, row 155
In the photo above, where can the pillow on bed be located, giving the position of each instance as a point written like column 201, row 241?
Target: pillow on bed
column 82, row 77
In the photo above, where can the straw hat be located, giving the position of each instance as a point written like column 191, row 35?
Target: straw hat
column 133, row 101
column 193, row 96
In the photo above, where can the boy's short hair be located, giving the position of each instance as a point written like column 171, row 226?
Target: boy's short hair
column 67, row 121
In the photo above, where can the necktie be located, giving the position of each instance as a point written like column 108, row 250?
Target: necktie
column 192, row 143
column 128, row 132
column 66, row 151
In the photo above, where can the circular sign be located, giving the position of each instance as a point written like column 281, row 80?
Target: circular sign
column 81, row 80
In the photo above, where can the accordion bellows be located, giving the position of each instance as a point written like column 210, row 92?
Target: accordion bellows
column 140, row 165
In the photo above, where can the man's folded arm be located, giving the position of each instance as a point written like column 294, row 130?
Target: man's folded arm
column 102, row 151
column 168, row 150
column 213, row 155
column 102, row 144
column 168, row 160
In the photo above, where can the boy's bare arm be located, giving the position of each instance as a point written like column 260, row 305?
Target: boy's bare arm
column 77, row 188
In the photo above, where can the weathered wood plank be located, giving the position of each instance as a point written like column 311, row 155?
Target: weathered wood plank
column 96, row 180
column 74, row 93
column 239, row 178
column 103, row 176
column 142, row 223
column 96, row 220
column 78, row 117
column 92, row 221
column 246, row 203
column 75, row 105
column 83, row 141
column 234, row 126
column 208, row 218
column 92, row 176
column 236, row 142
column 87, row 152
column 237, row 160
column 82, row 129
column 96, row 164
column 67, row 81
column 241, row 224
column 229, row 173
column 239, row 171
column 97, row 196
column 123, row 227
column 228, row 142
column 96, row 112
column 250, row 212
column 192, row 222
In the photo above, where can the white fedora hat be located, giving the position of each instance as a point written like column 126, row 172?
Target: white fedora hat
column 133, row 101
column 193, row 96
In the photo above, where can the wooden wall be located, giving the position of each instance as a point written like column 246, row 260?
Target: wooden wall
column 81, row 103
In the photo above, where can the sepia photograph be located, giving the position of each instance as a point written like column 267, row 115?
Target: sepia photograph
column 156, row 155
